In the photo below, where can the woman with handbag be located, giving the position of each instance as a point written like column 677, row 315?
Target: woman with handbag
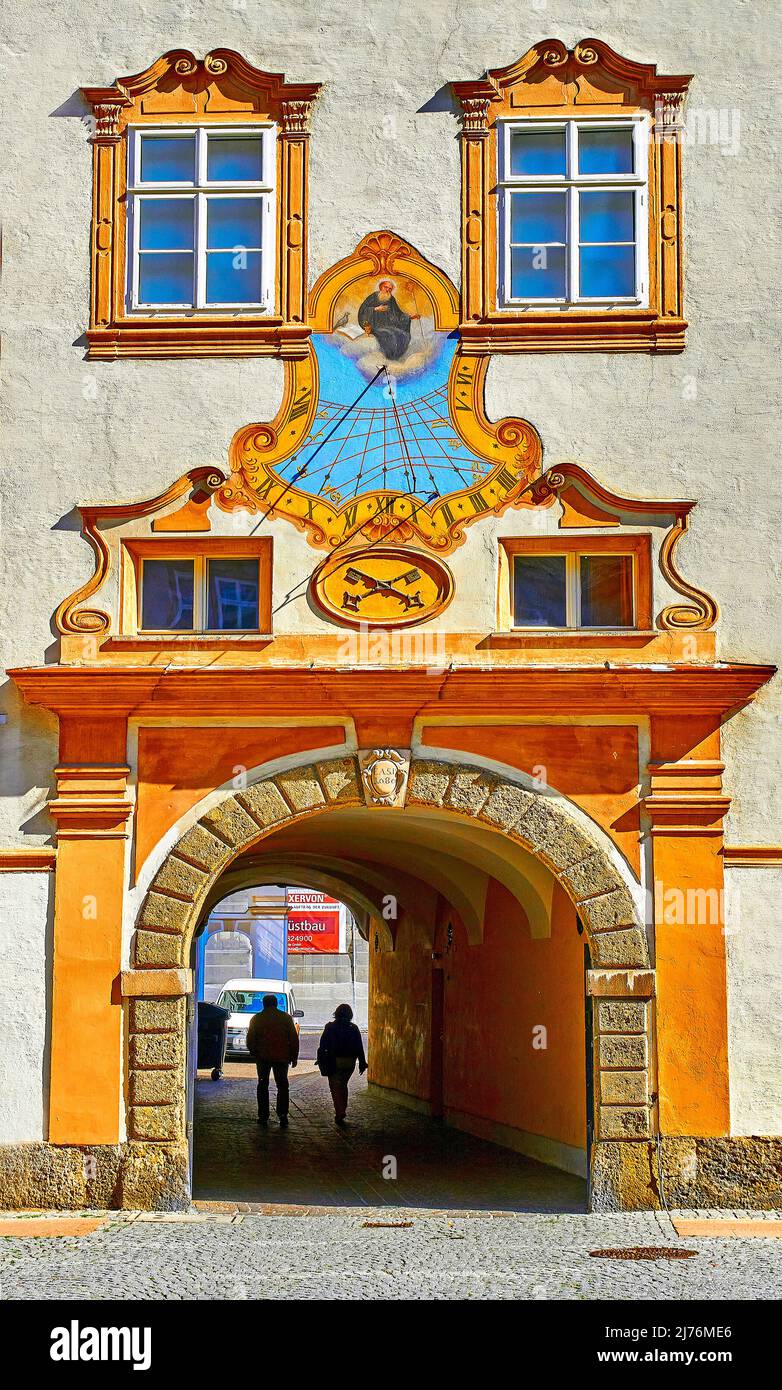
column 341, row 1046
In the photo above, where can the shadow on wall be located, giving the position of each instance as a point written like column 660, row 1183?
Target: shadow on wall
column 28, row 752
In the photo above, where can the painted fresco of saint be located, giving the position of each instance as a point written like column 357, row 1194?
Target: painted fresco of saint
column 381, row 317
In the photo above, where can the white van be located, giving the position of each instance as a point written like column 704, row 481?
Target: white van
column 243, row 998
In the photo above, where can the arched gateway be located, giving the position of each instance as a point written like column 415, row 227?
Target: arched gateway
column 495, row 804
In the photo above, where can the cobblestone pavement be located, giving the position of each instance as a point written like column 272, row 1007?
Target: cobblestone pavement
column 515, row 1230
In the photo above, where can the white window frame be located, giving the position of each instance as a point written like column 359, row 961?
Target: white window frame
column 200, row 189
column 572, row 183
column 573, row 560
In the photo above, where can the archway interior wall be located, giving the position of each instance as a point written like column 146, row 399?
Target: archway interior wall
column 512, row 1054
column 495, row 804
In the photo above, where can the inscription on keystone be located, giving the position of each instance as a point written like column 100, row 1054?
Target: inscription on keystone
column 384, row 773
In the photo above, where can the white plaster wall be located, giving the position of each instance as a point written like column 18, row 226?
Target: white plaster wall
column 24, row 976
column 754, row 948
column 384, row 152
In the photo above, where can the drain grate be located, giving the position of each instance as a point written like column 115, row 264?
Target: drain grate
column 644, row 1252
column 385, row 1225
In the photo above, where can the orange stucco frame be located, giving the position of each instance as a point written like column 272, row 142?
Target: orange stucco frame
column 135, row 550
column 551, row 80
column 180, row 89
column 639, row 547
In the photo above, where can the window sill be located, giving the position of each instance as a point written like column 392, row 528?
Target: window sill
column 574, row 330
column 571, row 637
column 247, row 335
column 189, row 641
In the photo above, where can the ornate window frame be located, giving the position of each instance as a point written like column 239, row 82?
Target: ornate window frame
column 551, row 81
column 220, row 90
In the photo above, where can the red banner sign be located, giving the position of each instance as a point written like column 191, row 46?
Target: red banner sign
column 313, row 923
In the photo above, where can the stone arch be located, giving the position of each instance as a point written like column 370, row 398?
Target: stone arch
column 537, row 820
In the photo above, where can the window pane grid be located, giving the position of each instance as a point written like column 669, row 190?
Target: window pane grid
column 229, row 188
column 596, row 169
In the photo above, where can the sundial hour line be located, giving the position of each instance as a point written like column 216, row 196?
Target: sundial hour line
column 347, row 412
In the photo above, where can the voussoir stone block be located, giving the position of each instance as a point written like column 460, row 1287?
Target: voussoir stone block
column 563, row 844
column 154, row 1087
column 506, row 805
column 157, row 948
column 592, row 876
column 608, row 911
column 624, row 1087
column 204, row 849
column 623, row 1122
column 428, row 784
column 622, row 1016
column 230, row 822
column 161, row 913
column 468, row 791
column 264, row 803
column 177, row 876
column 340, row 781
column 619, row 948
column 156, row 1050
column 537, row 823
column 618, row 1052
column 301, row 788
column 157, row 1015
column 160, row 1122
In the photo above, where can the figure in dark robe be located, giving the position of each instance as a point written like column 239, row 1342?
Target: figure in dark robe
column 381, row 316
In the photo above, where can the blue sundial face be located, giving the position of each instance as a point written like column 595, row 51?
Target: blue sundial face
column 382, row 422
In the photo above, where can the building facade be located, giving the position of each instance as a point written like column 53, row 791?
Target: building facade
column 388, row 512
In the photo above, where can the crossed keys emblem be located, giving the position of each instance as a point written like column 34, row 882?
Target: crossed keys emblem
column 352, row 602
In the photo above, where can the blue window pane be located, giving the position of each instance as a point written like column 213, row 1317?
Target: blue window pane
column 537, row 272
column 605, row 151
column 234, row 158
column 607, row 271
column 167, row 159
column 538, row 152
column 233, row 277
column 233, row 594
column 539, row 591
column 537, row 217
column 234, row 222
column 167, row 595
column 165, row 278
column 166, row 224
column 607, row 216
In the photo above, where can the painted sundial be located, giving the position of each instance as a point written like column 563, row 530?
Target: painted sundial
column 382, row 435
column 398, row 438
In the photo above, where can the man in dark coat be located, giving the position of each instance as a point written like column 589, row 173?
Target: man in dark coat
column 381, row 315
column 273, row 1044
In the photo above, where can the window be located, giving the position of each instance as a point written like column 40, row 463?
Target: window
column 245, row 1001
column 215, row 585
column 574, row 212
column 572, row 204
column 199, row 211
column 570, row 583
column 202, row 219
